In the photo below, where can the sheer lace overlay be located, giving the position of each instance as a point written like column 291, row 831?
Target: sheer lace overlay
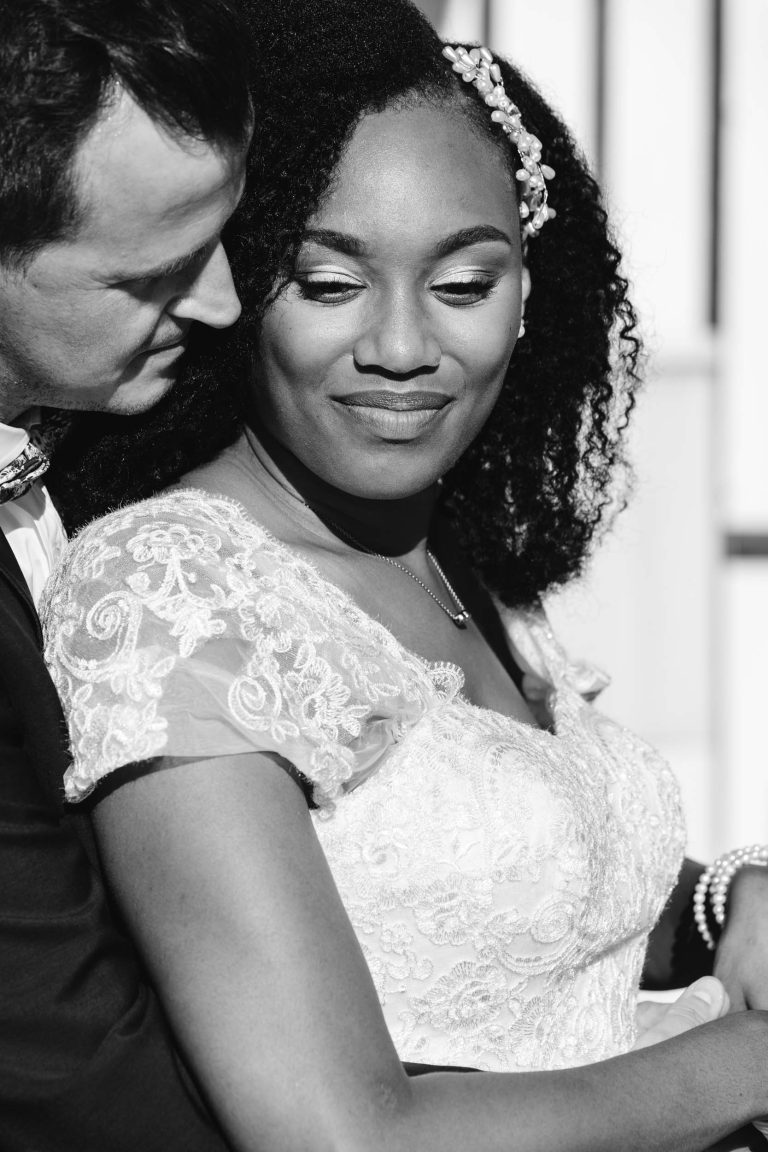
column 502, row 879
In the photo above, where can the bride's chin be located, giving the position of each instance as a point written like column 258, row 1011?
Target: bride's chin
column 396, row 474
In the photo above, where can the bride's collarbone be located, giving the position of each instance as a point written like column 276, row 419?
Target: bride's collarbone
column 423, row 628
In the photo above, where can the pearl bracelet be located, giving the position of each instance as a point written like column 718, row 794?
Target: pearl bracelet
column 716, row 880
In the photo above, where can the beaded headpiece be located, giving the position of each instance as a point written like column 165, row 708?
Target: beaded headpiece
column 476, row 66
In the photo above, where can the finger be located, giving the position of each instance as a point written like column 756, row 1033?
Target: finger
column 706, row 999
column 648, row 1014
column 702, row 1001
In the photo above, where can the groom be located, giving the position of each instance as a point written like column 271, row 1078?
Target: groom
column 123, row 131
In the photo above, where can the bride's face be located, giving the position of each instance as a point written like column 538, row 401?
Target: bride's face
column 383, row 357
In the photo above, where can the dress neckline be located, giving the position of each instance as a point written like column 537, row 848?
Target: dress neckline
column 432, row 669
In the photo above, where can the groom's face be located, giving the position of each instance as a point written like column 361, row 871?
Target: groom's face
column 100, row 320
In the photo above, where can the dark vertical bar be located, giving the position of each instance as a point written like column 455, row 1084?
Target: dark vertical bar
column 601, row 83
column 716, row 112
column 749, row 545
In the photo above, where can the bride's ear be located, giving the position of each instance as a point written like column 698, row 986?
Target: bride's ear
column 526, row 278
column 526, row 291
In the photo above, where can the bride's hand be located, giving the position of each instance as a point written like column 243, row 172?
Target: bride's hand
column 704, row 1000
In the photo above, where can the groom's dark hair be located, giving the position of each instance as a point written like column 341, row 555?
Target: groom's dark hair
column 185, row 62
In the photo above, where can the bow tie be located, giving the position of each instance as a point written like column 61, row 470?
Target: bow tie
column 18, row 477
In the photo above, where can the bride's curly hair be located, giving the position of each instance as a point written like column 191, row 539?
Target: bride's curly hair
column 529, row 495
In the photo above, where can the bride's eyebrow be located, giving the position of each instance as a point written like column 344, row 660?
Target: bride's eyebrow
column 466, row 237
column 339, row 241
column 463, row 238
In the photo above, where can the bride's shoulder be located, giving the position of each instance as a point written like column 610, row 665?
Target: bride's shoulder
column 185, row 506
column 176, row 518
column 186, row 534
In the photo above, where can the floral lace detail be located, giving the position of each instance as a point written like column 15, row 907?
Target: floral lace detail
column 184, row 599
column 502, row 879
column 521, row 870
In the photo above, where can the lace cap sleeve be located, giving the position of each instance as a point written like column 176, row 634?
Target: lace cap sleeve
column 179, row 627
column 544, row 662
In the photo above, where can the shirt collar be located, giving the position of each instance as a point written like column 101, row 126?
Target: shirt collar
column 15, row 437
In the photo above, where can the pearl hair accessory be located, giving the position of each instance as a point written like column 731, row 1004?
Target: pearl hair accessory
column 715, row 881
column 476, row 66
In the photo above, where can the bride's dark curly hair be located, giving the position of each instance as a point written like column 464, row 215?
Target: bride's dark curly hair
column 527, row 497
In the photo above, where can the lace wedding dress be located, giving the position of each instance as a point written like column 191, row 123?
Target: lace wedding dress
column 502, row 879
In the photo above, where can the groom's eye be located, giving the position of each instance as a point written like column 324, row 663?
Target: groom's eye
column 189, row 263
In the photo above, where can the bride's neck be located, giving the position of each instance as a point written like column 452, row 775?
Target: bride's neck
column 392, row 527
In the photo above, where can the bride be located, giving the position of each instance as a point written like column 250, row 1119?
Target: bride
column 354, row 798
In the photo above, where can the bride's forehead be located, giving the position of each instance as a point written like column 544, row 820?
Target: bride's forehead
column 415, row 130
column 417, row 151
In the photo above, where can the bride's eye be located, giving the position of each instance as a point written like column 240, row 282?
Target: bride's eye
column 326, row 289
column 465, row 290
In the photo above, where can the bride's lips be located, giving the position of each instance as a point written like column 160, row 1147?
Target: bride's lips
column 394, row 415
column 395, row 401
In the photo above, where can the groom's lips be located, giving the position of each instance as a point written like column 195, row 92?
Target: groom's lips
column 166, row 346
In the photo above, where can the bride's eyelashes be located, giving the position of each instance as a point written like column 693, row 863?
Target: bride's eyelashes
column 326, row 289
column 460, row 291
column 467, row 289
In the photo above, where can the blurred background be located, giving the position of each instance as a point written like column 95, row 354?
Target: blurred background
column 669, row 99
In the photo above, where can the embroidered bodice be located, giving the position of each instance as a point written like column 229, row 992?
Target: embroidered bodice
column 502, row 879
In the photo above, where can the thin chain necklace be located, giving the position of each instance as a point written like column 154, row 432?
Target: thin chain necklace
column 460, row 618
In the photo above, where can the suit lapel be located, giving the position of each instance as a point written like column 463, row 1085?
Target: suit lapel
column 12, row 574
column 52, row 764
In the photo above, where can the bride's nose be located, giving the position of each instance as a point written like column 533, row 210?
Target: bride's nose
column 398, row 338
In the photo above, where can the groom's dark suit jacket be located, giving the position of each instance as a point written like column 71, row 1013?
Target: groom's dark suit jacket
column 86, row 1059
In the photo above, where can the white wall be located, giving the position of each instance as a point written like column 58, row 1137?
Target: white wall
column 742, row 457
column 681, row 628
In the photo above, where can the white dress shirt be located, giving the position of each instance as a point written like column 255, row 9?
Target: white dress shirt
column 31, row 523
